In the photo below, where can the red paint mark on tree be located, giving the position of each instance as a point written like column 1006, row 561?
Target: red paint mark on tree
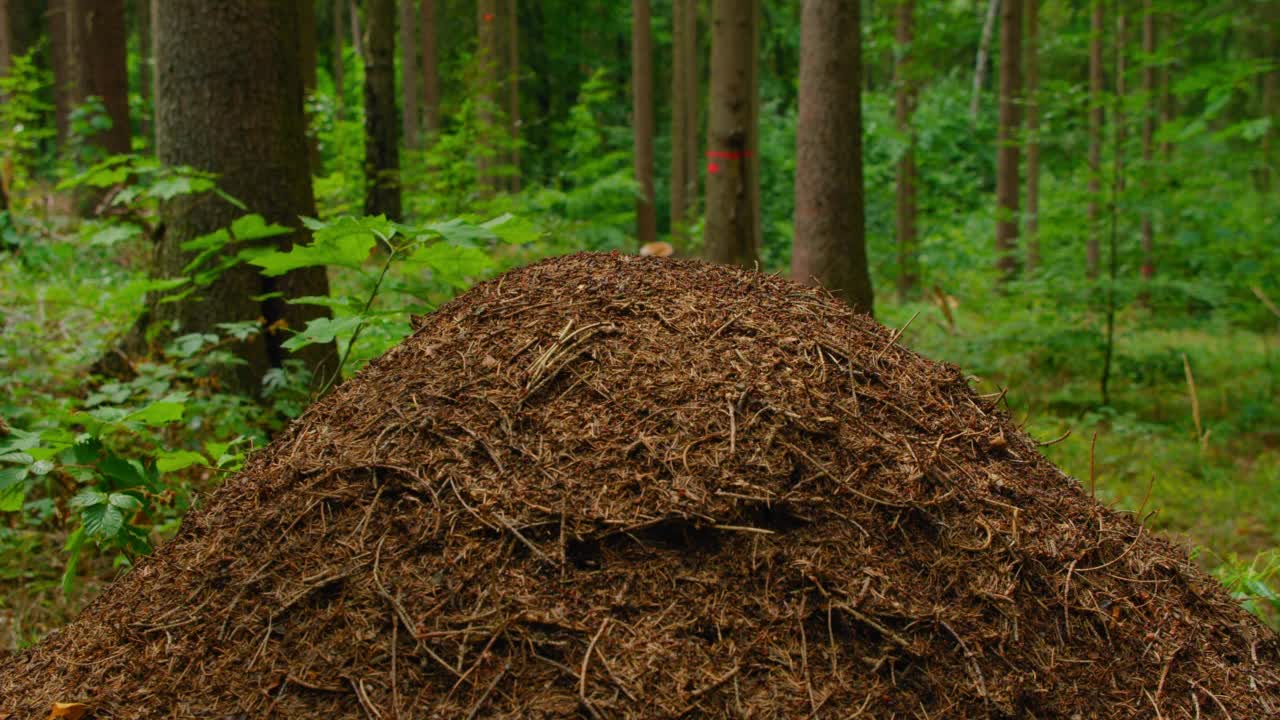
column 488, row 17
column 713, row 167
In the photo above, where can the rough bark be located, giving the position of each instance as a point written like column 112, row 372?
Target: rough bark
column 357, row 36
column 154, row 39
column 642, row 119
column 980, row 63
column 1007, row 152
column 684, row 116
column 430, row 69
column 693, row 101
column 381, row 126
column 679, row 150
column 230, row 102
column 830, row 244
column 1032, row 229
column 1093, row 252
column 732, row 231
column 411, row 117
column 905, row 100
column 490, row 55
column 142, row 22
column 1148, row 136
column 61, row 58
column 99, row 39
column 307, row 60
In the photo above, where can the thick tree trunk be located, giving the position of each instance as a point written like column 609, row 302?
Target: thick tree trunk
column 411, row 118
column 61, row 57
column 357, row 35
column 679, row 150
column 642, row 119
column 693, row 101
column 684, row 116
column 338, row 69
column 146, row 73
column 732, row 231
column 307, row 60
column 490, row 57
column 1007, row 155
column 905, row 100
column 984, row 54
column 830, row 245
column 100, row 39
column 230, row 102
column 381, row 127
column 1033, row 134
column 1093, row 254
column 1148, row 136
column 513, row 91
column 430, row 69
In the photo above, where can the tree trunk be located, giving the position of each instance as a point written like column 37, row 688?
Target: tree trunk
column 307, row 60
column 905, row 100
column 430, row 71
column 411, row 118
column 146, row 63
column 1093, row 256
column 513, row 91
column 1271, row 98
column 642, row 119
column 98, row 39
column 693, row 99
column 1033, row 134
column 154, row 37
column 1119, row 121
column 1148, row 136
column 732, row 231
column 61, row 58
column 230, row 103
column 1007, row 138
column 679, row 112
column 489, row 57
column 830, row 246
column 980, row 64
column 357, row 37
column 381, row 127
column 684, row 116
column 339, row 64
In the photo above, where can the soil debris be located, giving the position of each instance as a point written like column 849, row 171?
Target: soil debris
column 606, row 486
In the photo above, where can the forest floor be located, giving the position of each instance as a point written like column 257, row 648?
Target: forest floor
column 1216, row 490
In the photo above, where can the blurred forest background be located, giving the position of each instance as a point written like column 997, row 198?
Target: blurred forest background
column 210, row 212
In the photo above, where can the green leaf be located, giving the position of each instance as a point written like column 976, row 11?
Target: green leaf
column 75, row 543
column 125, row 502
column 87, row 498
column 171, row 187
column 103, row 521
column 255, row 227
column 126, row 472
column 453, row 264
column 41, row 468
column 161, row 412
column 511, row 229
column 348, row 250
column 172, row 460
column 13, row 488
column 322, row 330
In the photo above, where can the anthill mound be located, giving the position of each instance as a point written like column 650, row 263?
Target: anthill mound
column 606, row 486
